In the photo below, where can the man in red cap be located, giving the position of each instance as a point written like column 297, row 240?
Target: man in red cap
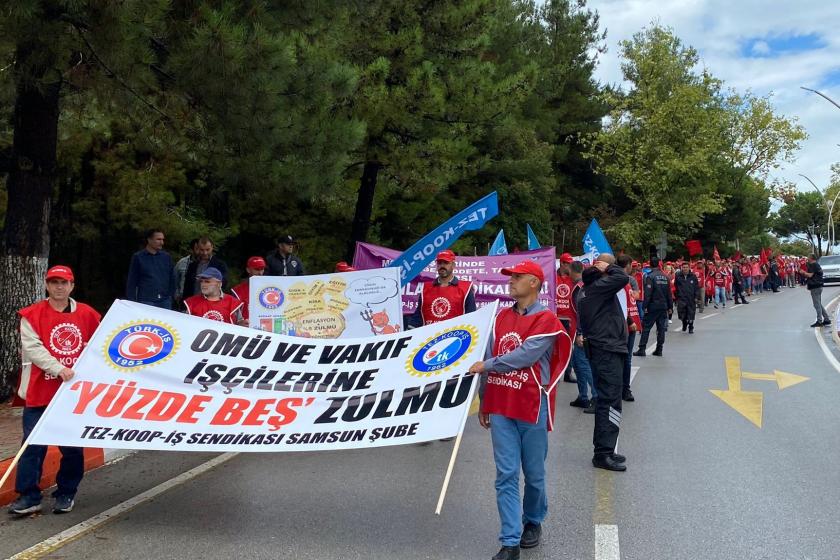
column 529, row 353
column 53, row 333
column 342, row 266
column 212, row 303
column 254, row 267
column 445, row 298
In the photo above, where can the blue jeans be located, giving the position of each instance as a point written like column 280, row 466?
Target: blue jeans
column 520, row 445
column 70, row 471
column 720, row 295
column 628, row 360
column 583, row 372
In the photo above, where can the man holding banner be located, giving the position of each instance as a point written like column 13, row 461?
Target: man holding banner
column 53, row 333
column 530, row 351
column 445, row 298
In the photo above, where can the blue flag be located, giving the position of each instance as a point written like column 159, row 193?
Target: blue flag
column 532, row 239
column 499, row 245
column 594, row 241
column 473, row 217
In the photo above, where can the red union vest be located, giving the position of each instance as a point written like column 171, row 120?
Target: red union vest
column 720, row 278
column 640, row 280
column 632, row 308
column 64, row 335
column 565, row 308
column 242, row 292
column 518, row 394
column 223, row 310
column 440, row 303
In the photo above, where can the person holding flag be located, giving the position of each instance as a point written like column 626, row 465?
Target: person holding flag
column 53, row 333
column 444, row 298
column 242, row 291
column 529, row 352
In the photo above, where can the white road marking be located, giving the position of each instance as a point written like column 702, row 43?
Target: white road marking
column 823, row 346
column 57, row 541
column 606, row 542
column 712, row 315
column 756, row 298
column 633, row 371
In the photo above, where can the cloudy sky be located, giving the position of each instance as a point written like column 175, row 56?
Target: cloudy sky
column 767, row 47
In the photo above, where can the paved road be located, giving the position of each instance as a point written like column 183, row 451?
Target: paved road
column 704, row 482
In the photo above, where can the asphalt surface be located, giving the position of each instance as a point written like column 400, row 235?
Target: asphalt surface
column 702, row 483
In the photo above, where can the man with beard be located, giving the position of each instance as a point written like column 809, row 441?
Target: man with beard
column 445, row 298
column 688, row 289
column 212, row 303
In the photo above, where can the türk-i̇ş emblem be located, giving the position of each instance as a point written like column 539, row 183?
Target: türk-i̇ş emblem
column 140, row 343
column 271, row 298
column 442, row 352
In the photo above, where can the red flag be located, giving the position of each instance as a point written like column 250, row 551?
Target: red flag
column 736, row 256
column 715, row 254
column 694, row 247
column 762, row 258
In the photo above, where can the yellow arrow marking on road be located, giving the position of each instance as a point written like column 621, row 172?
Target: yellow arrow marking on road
column 750, row 404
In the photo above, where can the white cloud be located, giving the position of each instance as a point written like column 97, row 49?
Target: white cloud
column 720, row 29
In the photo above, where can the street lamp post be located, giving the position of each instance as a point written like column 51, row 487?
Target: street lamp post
column 829, row 230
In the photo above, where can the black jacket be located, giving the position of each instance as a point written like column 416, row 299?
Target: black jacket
column 815, row 281
column 688, row 287
column 657, row 291
column 278, row 265
column 189, row 277
column 600, row 316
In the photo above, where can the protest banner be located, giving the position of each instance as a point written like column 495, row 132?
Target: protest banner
column 414, row 260
column 485, row 273
column 340, row 305
column 159, row 380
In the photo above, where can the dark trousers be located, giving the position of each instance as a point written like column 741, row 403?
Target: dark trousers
column 607, row 368
column 738, row 291
column 658, row 317
column 628, row 359
column 71, row 468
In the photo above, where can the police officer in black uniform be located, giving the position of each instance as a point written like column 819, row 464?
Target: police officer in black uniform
column 658, row 302
column 688, row 289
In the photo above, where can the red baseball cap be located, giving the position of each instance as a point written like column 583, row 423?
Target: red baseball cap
column 342, row 266
column 446, row 256
column 567, row 258
column 62, row 272
column 526, row 267
column 634, row 263
column 257, row 263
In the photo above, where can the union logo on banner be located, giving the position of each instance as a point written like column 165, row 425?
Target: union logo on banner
column 139, row 344
column 271, row 297
column 442, row 352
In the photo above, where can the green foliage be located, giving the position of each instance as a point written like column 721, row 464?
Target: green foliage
column 804, row 218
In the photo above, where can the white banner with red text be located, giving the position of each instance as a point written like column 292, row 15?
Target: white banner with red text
column 157, row 379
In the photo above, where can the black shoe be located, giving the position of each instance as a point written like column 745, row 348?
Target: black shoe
column 618, row 458
column 507, row 553
column 25, row 505
column 691, row 328
column 685, row 326
column 63, row 504
column 640, row 352
column 745, row 302
column 737, row 303
column 817, row 324
column 590, row 409
column 608, row 463
column 657, row 351
column 530, row 536
column 580, row 403
column 627, row 395
column 826, row 322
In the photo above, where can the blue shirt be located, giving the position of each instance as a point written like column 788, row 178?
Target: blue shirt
column 151, row 277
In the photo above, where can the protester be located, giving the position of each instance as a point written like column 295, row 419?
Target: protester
column 53, row 333
column 563, row 301
column 444, row 298
column 206, row 258
column 814, row 274
column 700, row 273
column 151, row 278
column 526, row 344
column 282, row 262
column 738, row 284
column 775, row 280
column 580, row 363
column 181, row 271
column 719, row 278
column 212, row 303
column 688, row 288
column 634, row 325
column 604, row 330
column 342, row 266
column 658, row 304
column 242, row 291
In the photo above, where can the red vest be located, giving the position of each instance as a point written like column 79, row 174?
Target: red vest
column 565, row 309
column 518, row 394
column 632, row 308
column 720, row 278
column 640, row 281
column 440, row 303
column 64, row 335
column 223, row 310
column 242, row 292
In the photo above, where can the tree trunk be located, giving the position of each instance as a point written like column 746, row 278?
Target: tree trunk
column 26, row 240
column 364, row 206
